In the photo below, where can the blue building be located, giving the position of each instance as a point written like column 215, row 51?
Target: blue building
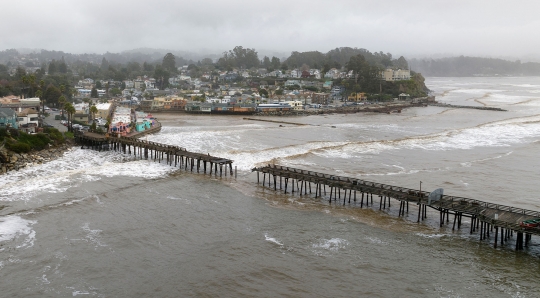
column 8, row 117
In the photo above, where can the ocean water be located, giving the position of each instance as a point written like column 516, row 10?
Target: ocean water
column 105, row 224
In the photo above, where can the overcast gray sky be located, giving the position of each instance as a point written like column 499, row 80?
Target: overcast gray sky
column 407, row 27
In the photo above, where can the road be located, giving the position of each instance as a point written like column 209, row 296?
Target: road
column 55, row 123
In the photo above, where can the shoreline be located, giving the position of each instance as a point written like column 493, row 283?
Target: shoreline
column 16, row 161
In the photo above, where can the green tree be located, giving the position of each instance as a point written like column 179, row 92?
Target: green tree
column 52, row 94
column 52, row 67
column 104, row 65
column 116, row 92
column 62, row 101
column 266, row 62
column 70, row 110
column 207, row 62
column 24, row 81
column 263, row 92
column 162, row 77
column 148, row 67
column 62, row 66
column 94, row 93
column 239, row 57
column 169, row 63
column 93, row 111
column 401, row 63
column 276, row 63
column 134, row 67
column 39, row 94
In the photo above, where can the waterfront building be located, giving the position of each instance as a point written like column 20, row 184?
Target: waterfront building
column 28, row 116
column 8, row 118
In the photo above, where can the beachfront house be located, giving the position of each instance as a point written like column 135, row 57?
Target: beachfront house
column 28, row 116
column 8, row 118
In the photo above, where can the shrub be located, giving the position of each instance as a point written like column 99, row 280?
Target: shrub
column 68, row 135
column 18, row 147
column 3, row 134
column 37, row 141
column 14, row 132
column 55, row 135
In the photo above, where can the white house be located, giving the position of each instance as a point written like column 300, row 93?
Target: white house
column 28, row 117
column 129, row 84
column 315, row 73
column 84, row 92
column 296, row 73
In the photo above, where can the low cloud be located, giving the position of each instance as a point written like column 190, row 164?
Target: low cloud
column 483, row 28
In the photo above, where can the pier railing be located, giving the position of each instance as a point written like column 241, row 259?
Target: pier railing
column 157, row 151
column 482, row 213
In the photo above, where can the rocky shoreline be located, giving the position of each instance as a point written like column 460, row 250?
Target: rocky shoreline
column 11, row 161
column 394, row 107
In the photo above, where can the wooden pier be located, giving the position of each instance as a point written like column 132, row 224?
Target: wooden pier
column 486, row 218
column 151, row 150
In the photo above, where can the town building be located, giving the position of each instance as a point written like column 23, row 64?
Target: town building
column 8, row 118
column 104, row 110
column 391, row 75
column 28, row 120
column 28, row 116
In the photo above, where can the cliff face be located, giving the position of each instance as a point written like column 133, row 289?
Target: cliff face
column 418, row 87
column 415, row 87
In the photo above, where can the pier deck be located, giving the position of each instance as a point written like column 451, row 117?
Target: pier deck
column 157, row 151
column 484, row 215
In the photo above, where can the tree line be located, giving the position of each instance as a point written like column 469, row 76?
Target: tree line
column 473, row 66
column 55, row 73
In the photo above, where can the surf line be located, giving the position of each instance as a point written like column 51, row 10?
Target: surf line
column 486, row 218
column 281, row 122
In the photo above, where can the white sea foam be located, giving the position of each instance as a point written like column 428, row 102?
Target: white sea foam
column 431, row 235
column 271, row 239
column 505, row 98
column 179, row 199
column 75, row 167
column 93, row 236
column 376, row 240
column 14, row 227
column 476, row 91
column 246, row 160
column 469, row 163
column 333, row 244
column 524, row 85
column 501, row 134
column 211, row 139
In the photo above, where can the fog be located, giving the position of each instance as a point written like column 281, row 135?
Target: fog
column 411, row 28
